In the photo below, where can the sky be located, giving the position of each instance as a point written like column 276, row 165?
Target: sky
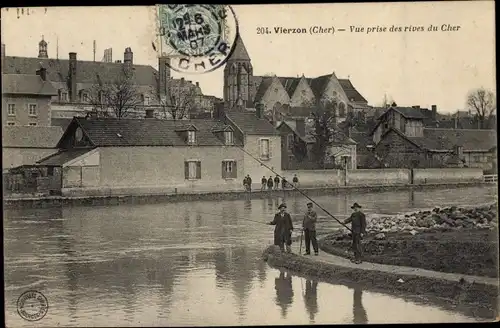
column 412, row 68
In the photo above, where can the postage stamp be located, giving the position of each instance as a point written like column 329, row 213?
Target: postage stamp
column 32, row 305
column 197, row 38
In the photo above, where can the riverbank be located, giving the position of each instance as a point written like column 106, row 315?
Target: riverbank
column 25, row 201
column 454, row 240
column 473, row 296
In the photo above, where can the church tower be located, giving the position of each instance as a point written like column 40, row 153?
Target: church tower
column 238, row 77
column 42, row 49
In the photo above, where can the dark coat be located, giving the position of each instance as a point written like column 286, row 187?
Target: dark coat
column 283, row 228
column 358, row 222
column 310, row 219
column 270, row 182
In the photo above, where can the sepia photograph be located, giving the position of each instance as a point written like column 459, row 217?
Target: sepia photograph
column 249, row 165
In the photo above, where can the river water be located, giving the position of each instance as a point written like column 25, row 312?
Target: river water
column 194, row 263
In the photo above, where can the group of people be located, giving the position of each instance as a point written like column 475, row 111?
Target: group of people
column 270, row 183
column 284, row 227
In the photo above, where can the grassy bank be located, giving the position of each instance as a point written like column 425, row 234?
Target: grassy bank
column 472, row 299
column 467, row 251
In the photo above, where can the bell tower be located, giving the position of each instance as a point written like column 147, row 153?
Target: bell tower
column 42, row 49
column 238, row 76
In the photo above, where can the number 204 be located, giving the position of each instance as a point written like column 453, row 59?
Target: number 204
column 263, row 30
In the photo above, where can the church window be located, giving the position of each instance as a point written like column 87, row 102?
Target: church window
column 342, row 111
column 276, row 90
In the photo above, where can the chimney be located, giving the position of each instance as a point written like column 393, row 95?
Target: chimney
column 128, row 56
column 434, row 112
column 164, row 71
column 259, row 110
column 150, row 113
column 3, row 55
column 197, row 84
column 300, row 124
column 72, row 77
column 182, row 80
column 219, row 111
column 42, row 72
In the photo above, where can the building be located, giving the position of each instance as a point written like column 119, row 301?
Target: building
column 282, row 95
column 77, row 82
column 26, row 99
column 401, row 140
column 131, row 156
column 25, row 145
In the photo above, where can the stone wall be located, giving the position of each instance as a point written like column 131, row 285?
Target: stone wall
column 371, row 177
column 447, row 175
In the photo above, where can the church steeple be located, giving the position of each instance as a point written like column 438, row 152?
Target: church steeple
column 42, row 49
column 238, row 76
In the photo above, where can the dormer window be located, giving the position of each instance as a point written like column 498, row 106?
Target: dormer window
column 229, row 137
column 191, row 137
column 85, row 97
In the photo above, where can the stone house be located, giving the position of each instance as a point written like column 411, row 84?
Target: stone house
column 401, row 140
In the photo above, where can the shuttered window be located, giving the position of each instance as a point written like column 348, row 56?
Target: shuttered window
column 264, row 149
column 192, row 170
column 229, row 169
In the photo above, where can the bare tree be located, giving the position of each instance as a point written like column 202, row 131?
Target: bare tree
column 178, row 102
column 483, row 103
column 115, row 98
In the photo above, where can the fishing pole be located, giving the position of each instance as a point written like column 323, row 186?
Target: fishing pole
column 300, row 191
column 239, row 218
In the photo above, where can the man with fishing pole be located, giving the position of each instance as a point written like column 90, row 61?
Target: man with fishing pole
column 309, row 230
column 283, row 229
column 358, row 230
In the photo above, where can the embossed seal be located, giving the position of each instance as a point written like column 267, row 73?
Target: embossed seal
column 197, row 38
column 32, row 305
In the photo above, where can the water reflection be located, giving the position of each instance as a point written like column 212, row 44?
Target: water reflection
column 311, row 299
column 358, row 310
column 284, row 291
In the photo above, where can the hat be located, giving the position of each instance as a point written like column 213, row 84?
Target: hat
column 309, row 204
column 355, row 205
column 282, row 205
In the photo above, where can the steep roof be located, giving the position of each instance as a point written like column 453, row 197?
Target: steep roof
column 26, row 84
column 319, row 84
column 146, row 132
column 61, row 122
column 31, row 136
column 408, row 112
column 240, row 51
column 290, row 84
column 363, row 139
column 86, row 71
column 250, row 124
column 446, row 139
column 61, row 157
column 264, row 85
column 351, row 91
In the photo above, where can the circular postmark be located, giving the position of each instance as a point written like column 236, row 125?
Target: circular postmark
column 196, row 38
column 32, row 305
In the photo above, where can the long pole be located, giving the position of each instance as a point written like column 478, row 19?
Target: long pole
column 295, row 188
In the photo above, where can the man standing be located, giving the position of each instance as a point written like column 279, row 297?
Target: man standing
column 295, row 181
column 283, row 229
column 309, row 226
column 249, row 183
column 264, row 183
column 276, row 182
column 358, row 229
column 270, row 183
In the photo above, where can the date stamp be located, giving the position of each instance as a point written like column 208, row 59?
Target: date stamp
column 197, row 38
column 32, row 305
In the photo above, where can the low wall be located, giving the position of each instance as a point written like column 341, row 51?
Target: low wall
column 316, row 178
column 447, row 175
column 370, row 177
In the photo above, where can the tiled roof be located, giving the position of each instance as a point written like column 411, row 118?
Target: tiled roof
column 239, row 51
column 250, row 124
column 409, row 112
column 319, row 84
column 86, row 71
column 26, row 84
column 290, row 84
column 62, row 156
column 264, row 85
column 148, row 132
column 351, row 91
column 31, row 136
column 446, row 139
column 362, row 139
column 292, row 124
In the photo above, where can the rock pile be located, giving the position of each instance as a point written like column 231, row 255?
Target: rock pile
column 438, row 219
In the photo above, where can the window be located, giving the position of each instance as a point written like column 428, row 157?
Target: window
column 64, row 96
column 50, row 171
column 265, row 149
column 32, row 124
column 191, row 137
column 229, row 169
column 32, row 109
column 11, row 109
column 228, row 137
column 85, row 97
column 146, row 101
column 11, row 123
column 290, row 141
column 342, row 111
column 192, row 170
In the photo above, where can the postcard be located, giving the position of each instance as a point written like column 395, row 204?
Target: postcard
column 226, row 165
